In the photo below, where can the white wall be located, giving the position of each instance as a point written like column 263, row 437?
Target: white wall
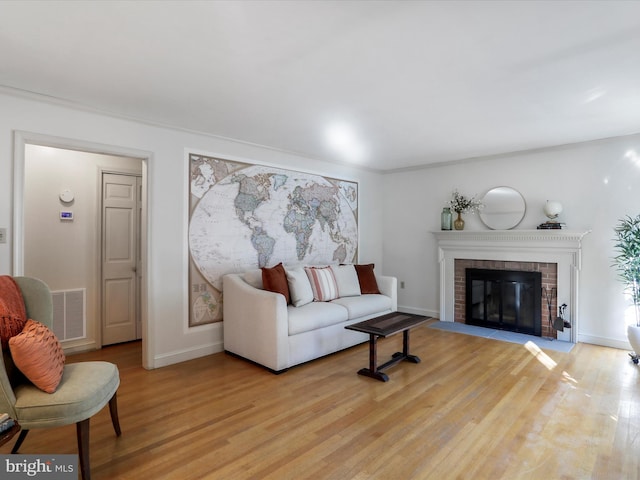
column 597, row 183
column 168, row 339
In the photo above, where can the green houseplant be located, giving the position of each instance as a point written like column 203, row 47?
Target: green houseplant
column 627, row 263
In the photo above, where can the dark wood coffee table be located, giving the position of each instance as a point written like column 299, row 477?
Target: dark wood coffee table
column 385, row 326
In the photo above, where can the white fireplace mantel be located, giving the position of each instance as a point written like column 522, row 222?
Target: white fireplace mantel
column 562, row 247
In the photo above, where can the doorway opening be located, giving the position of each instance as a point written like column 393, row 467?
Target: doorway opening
column 58, row 223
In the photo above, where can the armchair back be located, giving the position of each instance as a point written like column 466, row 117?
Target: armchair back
column 39, row 306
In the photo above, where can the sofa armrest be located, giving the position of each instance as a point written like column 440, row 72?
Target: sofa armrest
column 389, row 286
column 255, row 323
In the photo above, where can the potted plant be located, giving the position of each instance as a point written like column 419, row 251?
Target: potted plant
column 627, row 263
column 461, row 204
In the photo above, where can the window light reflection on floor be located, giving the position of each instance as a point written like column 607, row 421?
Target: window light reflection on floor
column 569, row 378
column 542, row 357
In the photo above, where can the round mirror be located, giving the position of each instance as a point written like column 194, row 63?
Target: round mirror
column 503, row 208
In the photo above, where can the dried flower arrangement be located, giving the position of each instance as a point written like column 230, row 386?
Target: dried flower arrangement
column 461, row 204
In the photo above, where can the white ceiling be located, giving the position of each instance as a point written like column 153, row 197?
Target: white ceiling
column 397, row 83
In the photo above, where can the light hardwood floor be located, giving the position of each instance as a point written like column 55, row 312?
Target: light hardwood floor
column 473, row 409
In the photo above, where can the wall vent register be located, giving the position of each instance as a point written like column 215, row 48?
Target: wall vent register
column 69, row 314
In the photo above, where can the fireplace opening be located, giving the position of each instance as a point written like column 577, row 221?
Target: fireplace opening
column 504, row 299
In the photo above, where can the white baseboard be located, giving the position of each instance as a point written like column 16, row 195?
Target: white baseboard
column 419, row 311
column 187, row 354
column 604, row 342
column 74, row 346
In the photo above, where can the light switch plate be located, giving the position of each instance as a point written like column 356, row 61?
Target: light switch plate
column 3, row 235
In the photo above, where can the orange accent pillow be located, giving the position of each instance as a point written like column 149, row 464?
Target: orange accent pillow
column 367, row 279
column 274, row 279
column 10, row 325
column 38, row 354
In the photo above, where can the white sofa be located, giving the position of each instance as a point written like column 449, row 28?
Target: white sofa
column 259, row 325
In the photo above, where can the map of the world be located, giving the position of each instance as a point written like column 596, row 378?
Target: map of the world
column 246, row 216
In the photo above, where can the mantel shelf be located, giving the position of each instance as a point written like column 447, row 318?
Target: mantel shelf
column 511, row 235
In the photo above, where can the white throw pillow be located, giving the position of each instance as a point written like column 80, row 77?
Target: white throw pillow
column 299, row 287
column 323, row 283
column 346, row 280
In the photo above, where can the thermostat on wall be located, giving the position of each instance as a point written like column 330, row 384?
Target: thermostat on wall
column 66, row 195
column 66, row 215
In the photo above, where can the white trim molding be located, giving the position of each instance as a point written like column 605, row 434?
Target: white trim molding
column 562, row 247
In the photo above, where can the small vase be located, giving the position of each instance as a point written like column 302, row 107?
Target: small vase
column 445, row 219
column 458, row 223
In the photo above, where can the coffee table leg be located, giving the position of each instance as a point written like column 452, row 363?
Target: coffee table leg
column 373, row 352
column 404, row 354
column 372, row 371
column 405, row 348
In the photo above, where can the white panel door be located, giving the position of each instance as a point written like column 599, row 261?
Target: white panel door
column 120, row 257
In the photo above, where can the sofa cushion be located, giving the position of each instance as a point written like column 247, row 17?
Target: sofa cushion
column 364, row 305
column 323, row 283
column 315, row 315
column 299, row 286
column 346, row 280
column 367, row 278
column 274, row 279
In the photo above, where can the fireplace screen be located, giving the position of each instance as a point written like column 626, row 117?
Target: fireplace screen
column 504, row 299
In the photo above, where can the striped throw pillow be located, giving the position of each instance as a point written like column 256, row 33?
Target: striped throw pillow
column 323, row 283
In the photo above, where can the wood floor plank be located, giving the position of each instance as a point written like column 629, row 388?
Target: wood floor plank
column 473, row 408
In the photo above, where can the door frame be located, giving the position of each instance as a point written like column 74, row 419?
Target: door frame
column 21, row 139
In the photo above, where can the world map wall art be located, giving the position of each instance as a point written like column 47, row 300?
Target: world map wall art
column 245, row 216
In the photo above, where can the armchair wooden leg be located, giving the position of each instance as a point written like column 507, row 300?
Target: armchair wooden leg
column 113, row 409
column 18, row 444
column 82, row 429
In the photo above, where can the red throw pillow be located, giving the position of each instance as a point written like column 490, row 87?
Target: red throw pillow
column 367, row 279
column 274, row 279
column 38, row 354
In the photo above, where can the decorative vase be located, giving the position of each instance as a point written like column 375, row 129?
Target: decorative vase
column 445, row 219
column 633, row 335
column 458, row 223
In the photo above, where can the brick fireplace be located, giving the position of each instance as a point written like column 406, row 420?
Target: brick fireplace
column 549, row 272
column 557, row 253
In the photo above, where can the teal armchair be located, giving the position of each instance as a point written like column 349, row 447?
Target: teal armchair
column 85, row 388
